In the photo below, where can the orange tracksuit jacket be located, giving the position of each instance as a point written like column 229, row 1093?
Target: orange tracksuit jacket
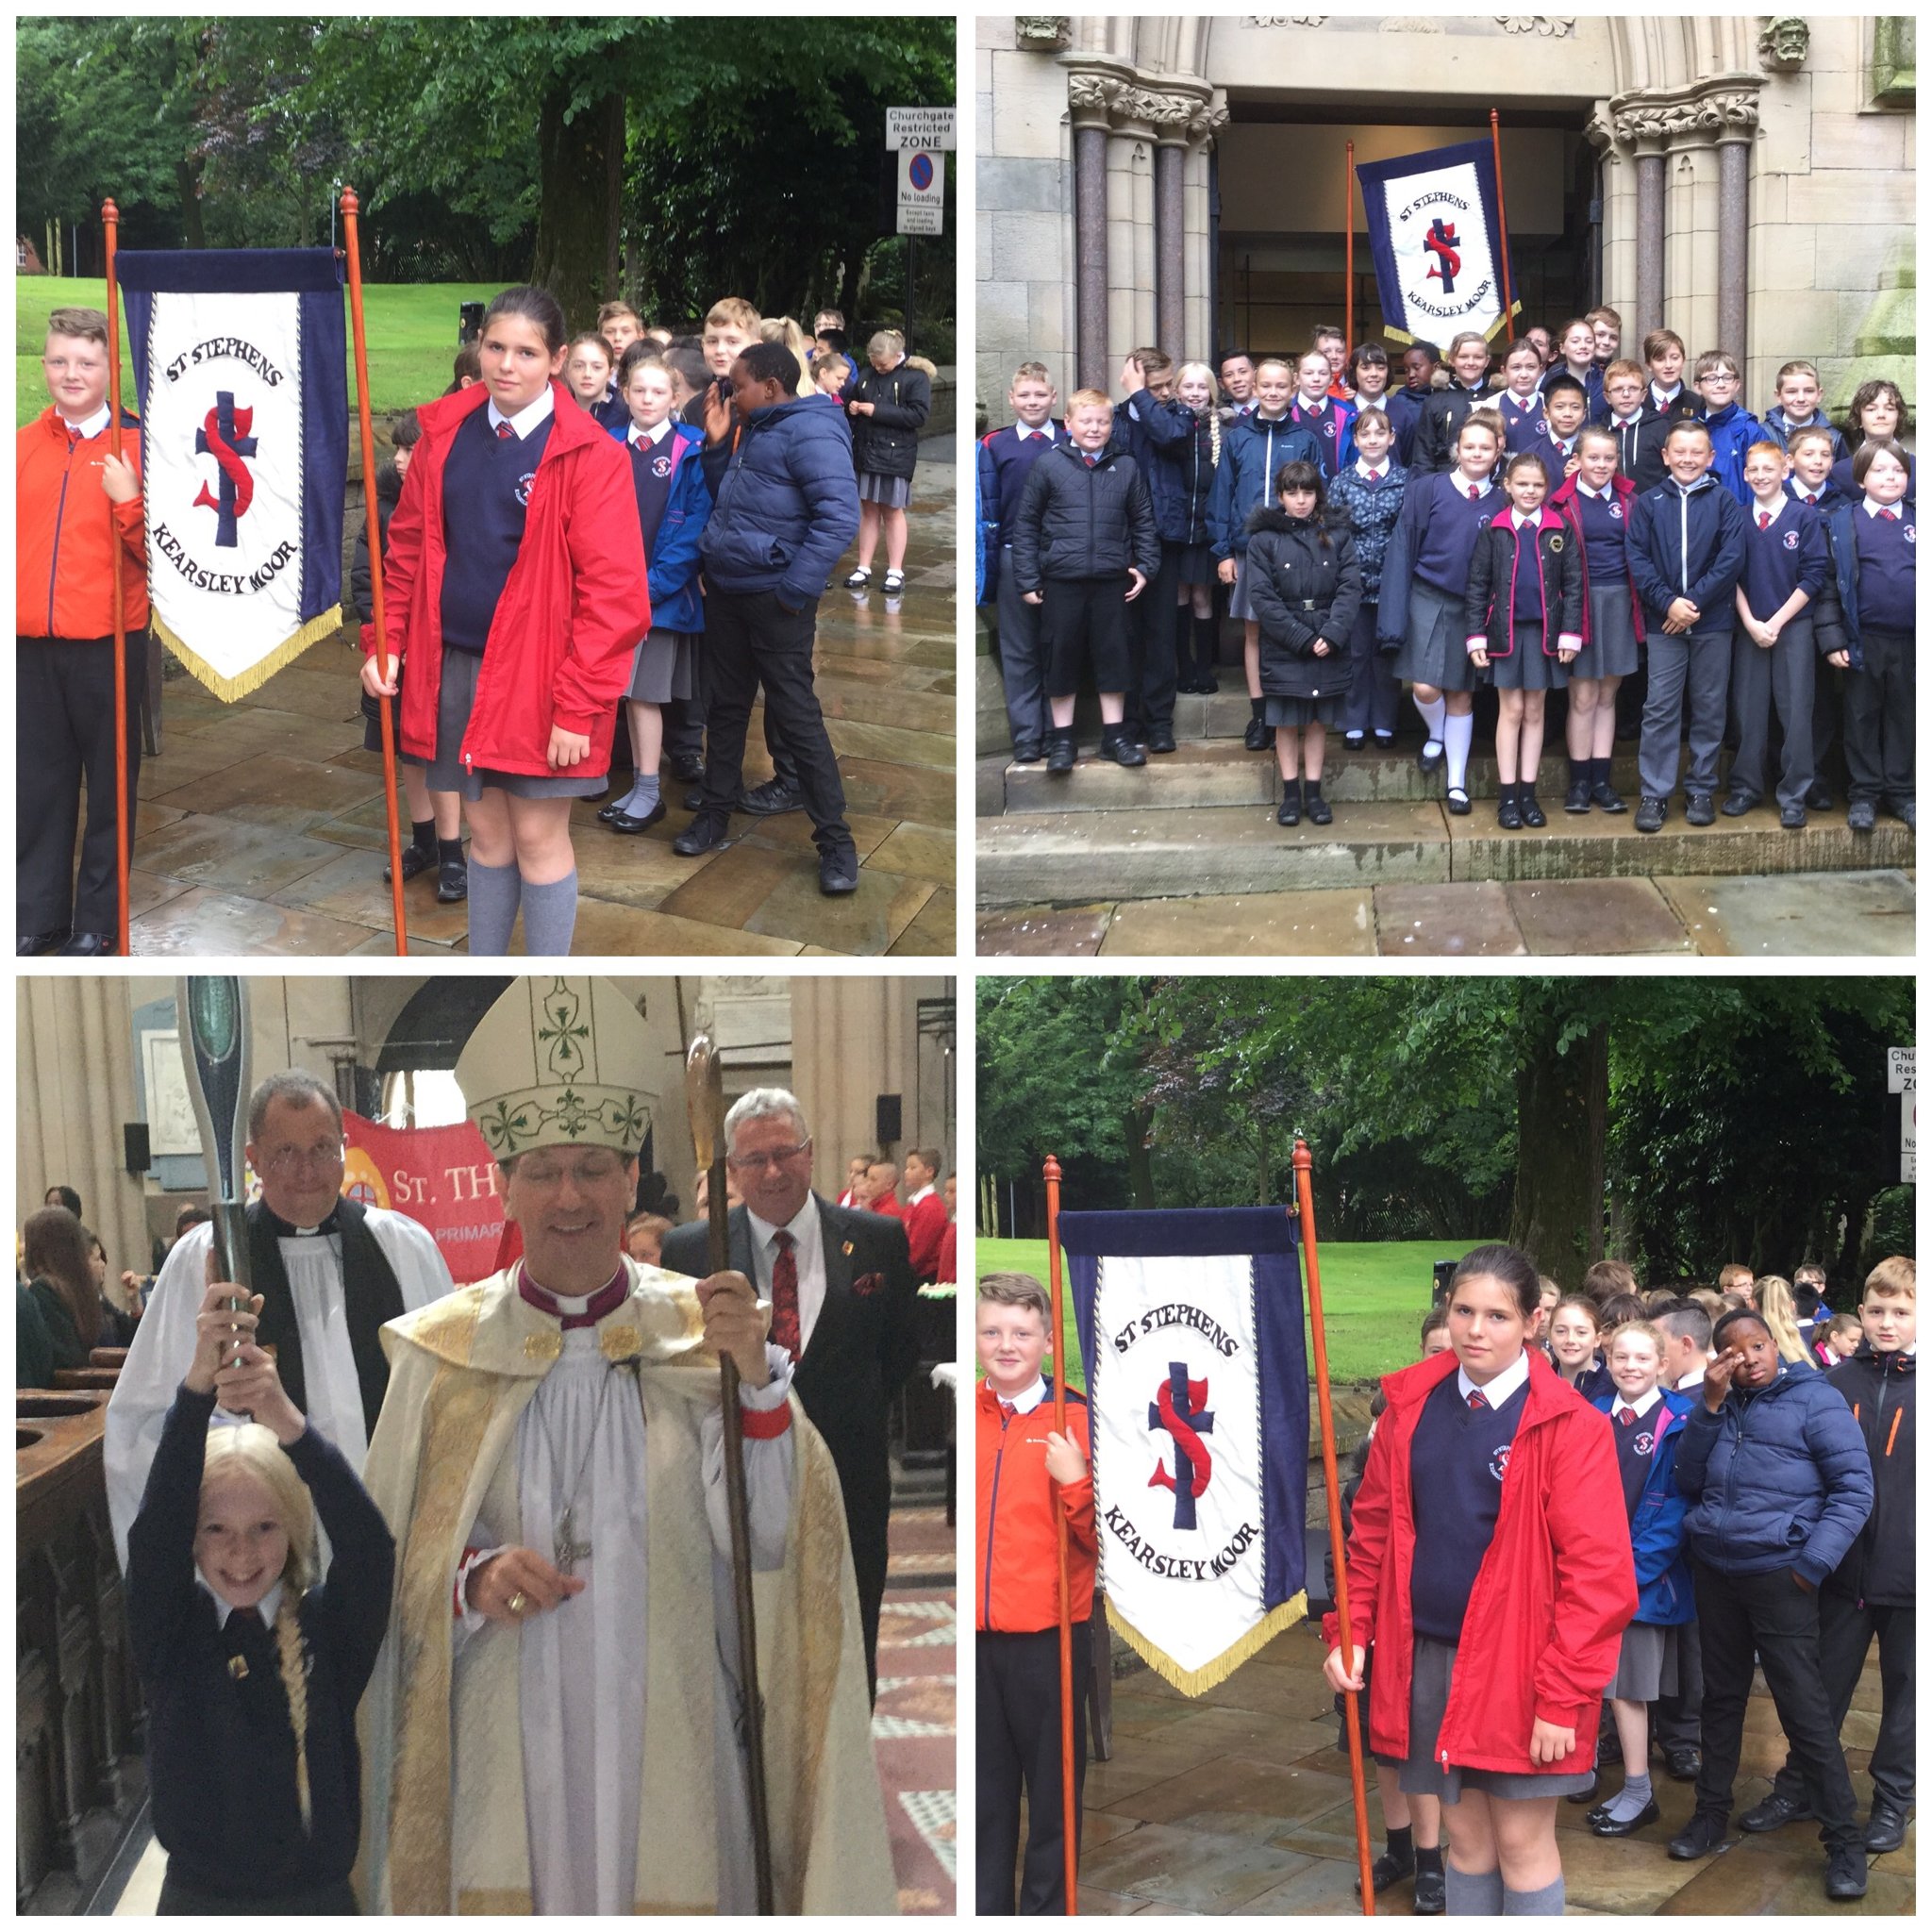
column 67, row 534
column 1019, row 1565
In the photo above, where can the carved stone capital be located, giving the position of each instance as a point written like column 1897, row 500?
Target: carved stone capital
column 1170, row 116
column 1550, row 26
column 1719, row 110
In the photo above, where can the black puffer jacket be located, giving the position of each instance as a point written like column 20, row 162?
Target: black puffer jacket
column 886, row 444
column 1079, row 523
column 1882, row 1391
column 389, row 492
column 1306, row 586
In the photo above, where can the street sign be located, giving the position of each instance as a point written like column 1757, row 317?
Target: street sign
column 921, row 191
column 917, row 127
column 1899, row 1078
column 1908, row 1139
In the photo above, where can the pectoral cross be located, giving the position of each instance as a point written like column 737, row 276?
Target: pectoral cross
column 567, row 1549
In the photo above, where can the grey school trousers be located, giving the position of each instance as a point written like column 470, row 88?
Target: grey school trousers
column 1690, row 674
column 1023, row 659
column 1785, row 676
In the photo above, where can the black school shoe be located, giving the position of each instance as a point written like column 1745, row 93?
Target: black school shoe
column 701, row 834
column 1532, row 812
column 838, row 872
column 1161, row 738
column 771, row 798
column 1604, row 1826
column 1651, row 813
column 630, row 823
column 1578, row 797
column 1028, row 753
column 1510, row 815
column 1430, row 1896
column 1699, row 810
column 86, row 945
column 451, row 881
column 1703, row 1835
column 1683, row 1762
column 1259, row 736
column 1387, row 1869
column 687, row 768
column 1059, row 752
column 1776, row 1811
column 1863, row 815
column 1884, row 1830
column 1792, row 817
column 415, row 862
column 1117, row 743
column 1736, row 804
column 1319, row 813
column 1845, row 1872
column 1290, row 812
column 30, row 945
column 1457, row 802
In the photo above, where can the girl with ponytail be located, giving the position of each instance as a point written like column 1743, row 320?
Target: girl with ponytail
column 252, row 1662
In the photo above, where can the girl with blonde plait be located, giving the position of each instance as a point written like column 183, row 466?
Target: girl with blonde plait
column 252, row 1664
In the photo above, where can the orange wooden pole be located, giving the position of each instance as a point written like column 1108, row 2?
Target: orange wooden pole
column 1304, row 1194
column 1069, row 1834
column 110, row 223
column 1348, row 250
column 1503, row 228
column 351, row 206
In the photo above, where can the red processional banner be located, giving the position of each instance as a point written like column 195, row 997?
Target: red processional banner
column 442, row 1177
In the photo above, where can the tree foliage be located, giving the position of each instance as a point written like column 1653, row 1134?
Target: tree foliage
column 1734, row 1119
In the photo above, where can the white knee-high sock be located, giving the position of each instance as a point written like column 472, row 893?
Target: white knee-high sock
column 1458, row 730
column 1432, row 716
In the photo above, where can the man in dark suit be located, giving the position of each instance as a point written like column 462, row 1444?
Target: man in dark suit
column 841, row 1289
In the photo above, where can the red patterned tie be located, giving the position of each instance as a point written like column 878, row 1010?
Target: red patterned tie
column 1007, row 1411
column 1626, row 1416
column 504, row 432
column 784, row 1295
column 1812, row 501
column 1764, row 520
column 1473, row 492
column 1890, row 516
column 1375, row 475
column 1475, row 1399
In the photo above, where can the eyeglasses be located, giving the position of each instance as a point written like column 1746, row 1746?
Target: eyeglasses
column 777, row 1157
column 585, row 1174
column 324, row 1153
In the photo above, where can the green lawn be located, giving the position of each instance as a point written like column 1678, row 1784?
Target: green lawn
column 411, row 335
column 1375, row 1294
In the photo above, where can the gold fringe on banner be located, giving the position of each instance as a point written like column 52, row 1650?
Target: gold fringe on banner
column 1489, row 333
column 1191, row 1683
column 229, row 689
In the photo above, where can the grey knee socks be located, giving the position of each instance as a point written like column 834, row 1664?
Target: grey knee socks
column 1546, row 1903
column 496, row 891
column 1472, row 1894
column 550, row 916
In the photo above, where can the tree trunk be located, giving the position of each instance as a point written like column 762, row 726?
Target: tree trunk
column 577, row 218
column 1140, row 1161
column 188, row 186
column 1562, row 1104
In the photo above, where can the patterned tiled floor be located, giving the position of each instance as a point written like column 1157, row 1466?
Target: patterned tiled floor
column 915, row 1726
column 261, row 826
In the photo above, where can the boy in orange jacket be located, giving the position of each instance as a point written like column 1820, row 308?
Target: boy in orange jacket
column 77, row 516
column 1027, row 1473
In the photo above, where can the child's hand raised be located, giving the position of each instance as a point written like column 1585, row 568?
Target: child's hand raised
column 1064, row 1461
column 219, row 1329
column 255, row 1389
column 1717, row 1377
column 120, row 479
column 717, row 412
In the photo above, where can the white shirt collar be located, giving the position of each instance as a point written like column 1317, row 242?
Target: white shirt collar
column 795, row 1227
column 1028, row 1399
column 89, row 427
column 1760, row 509
column 1692, row 1379
column 653, row 436
column 1603, row 495
column 1462, row 485
column 1314, row 409
column 1500, row 1388
column 1520, row 404
column 1872, row 506
column 1378, row 468
column 1629, row 422
column 531, row 416
column 1021, row 430
column 1661, row 396
column 914, row 1201
column 225, row 1610
column 1643, row 1405
column 1526, row 523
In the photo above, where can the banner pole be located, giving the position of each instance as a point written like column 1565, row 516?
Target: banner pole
column 1348, row 250
column 111, row 224
column 1503, row 228
column 351, row 207
column 1068, row 1832
column 1304, row 1194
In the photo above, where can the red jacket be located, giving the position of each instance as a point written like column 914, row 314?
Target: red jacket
column 1550, row 1600
column 1019, row 1556
column 949, row 1253
column 66, row 533
column 1563, row 501
column 576, row 603
column 925, row 1227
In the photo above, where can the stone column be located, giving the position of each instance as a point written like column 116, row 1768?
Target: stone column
column 1735, row 114
column 1169, row 237
column 1090, row 119
column 1650, row 240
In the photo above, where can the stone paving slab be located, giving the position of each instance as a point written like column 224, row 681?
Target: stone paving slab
column 1291, row 924
column 1863, row 913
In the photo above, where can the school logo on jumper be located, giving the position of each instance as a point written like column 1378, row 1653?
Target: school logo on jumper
column 1791, row 540
column 1643, row 1443
column 1198, row 1402
column 240, row 366
column 525, row 484
column 1435, row 236
column 1499, row 1462
column 1440, row 242
column 660, row 466
column 1911, row 537
column 1178, row 1409
column 1617, row 511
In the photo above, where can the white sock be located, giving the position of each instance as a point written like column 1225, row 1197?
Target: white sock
column 1432, row 716
column 1457, row 730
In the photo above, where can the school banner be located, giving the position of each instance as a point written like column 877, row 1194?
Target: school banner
column 1198, row 1387
column 239, row 361
column 442, row 1178
column 1436, row 232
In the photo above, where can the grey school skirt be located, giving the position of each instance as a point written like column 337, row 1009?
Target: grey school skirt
column 1527, row 667
column 1299, row 713
column 663, row 667
column 461, row 669
column 889, row 492
column 1435, row 647
column 1237, row 605
column 1646, row 1663
column 1428, row 1697
column 1611, row 651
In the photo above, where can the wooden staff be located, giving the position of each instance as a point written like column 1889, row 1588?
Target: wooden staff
column 1069, row 1834
column 351, row 206
column 1304, row 1194
column 1348, row 250
column 704, row 1093
column 111, row 224
column 1503, row 228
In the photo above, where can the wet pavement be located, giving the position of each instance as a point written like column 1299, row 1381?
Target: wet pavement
column 261, row 826
column 1743, row 916
column 1239, row 1801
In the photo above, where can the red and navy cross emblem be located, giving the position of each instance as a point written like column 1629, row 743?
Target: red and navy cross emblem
column 1180, row 1410
column 1440, row 241
column 225, row 434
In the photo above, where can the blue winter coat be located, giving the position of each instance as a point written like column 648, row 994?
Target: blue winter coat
column 1252, row 452
column 1838, row 512
column 784, row 502
column 1687, row 544
column 1159, row 436
column 673, row 556
column 1656, row 1530
column 1781, row 1481
column 1733, row 430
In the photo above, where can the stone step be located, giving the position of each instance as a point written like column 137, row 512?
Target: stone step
column 1216, row 771
column 1077, row 857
